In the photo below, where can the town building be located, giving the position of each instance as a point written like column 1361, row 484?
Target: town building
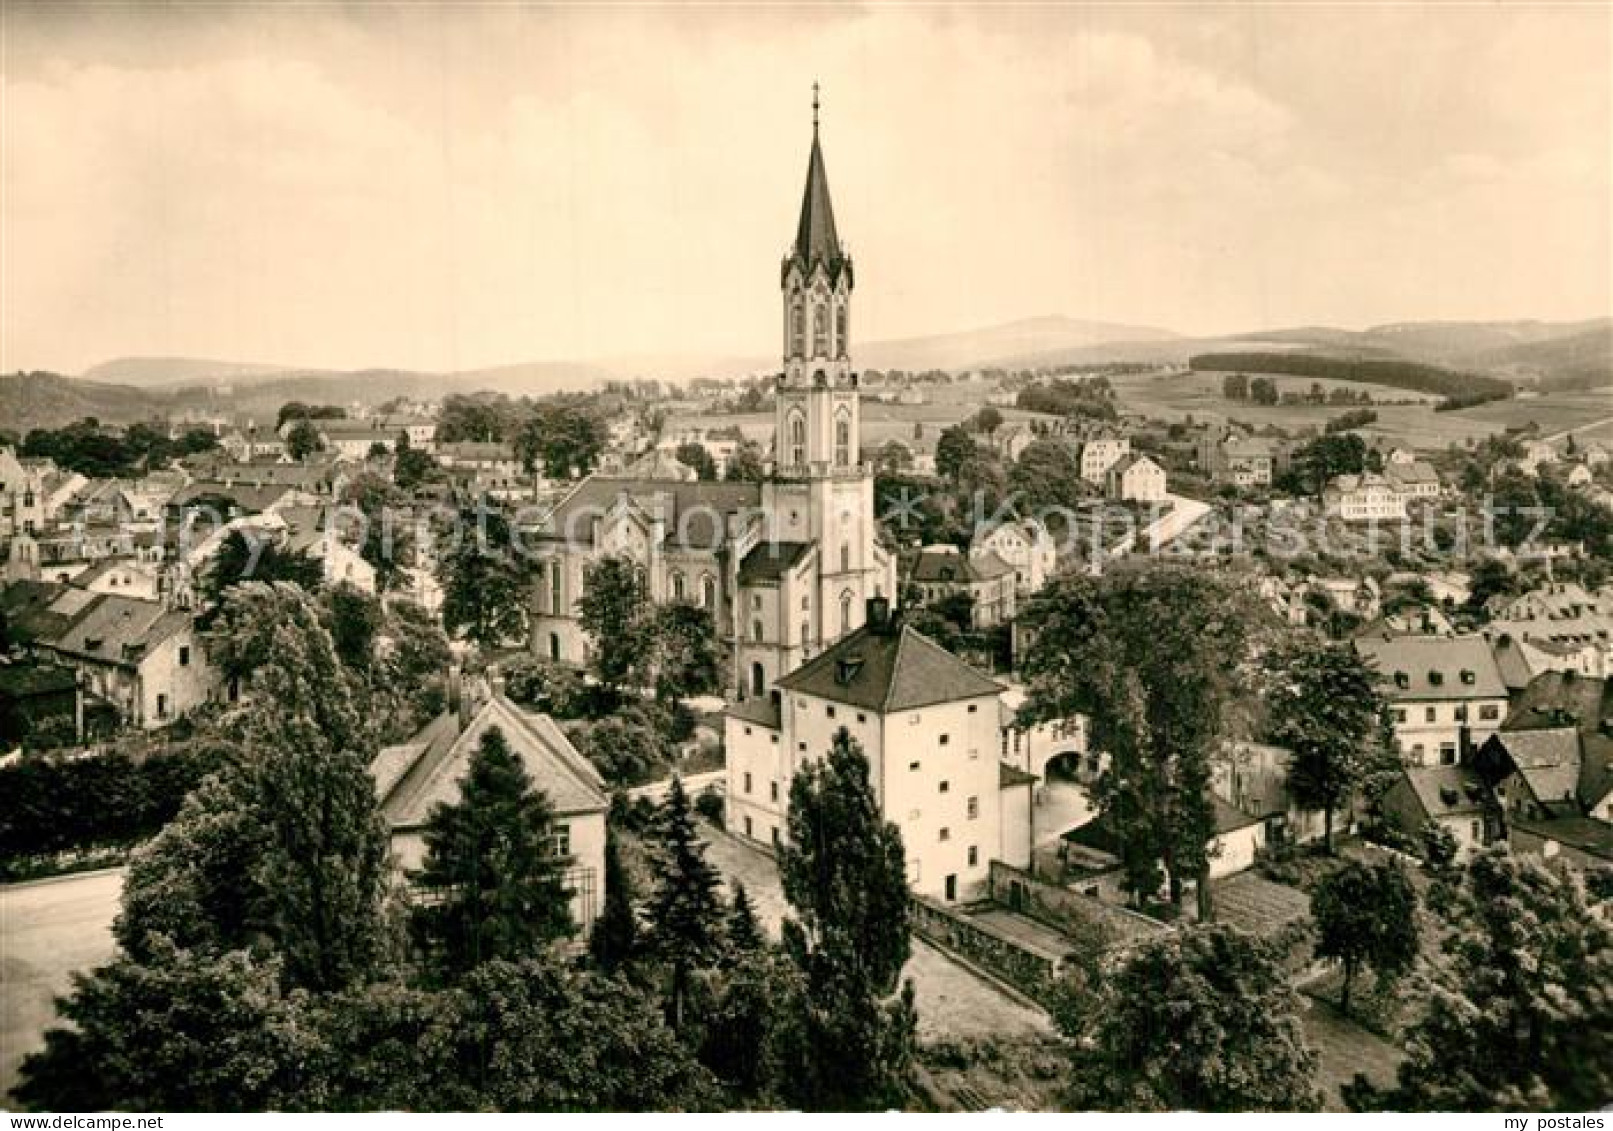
column 1445, row 693
column 1136, row 479
column 414, row 777
column 786, row 565
column 944, row 571
column 1026, row 545
column 930, row 726
column 1453, row 797
column 1101, row 453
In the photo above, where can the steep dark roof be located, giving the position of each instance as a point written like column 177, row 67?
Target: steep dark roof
column 1584, row 833
column 769, row 561
column 1446, row 791
column 26, row 605
column 816, row 240
column 1555, row 699
column 1419, row 668
column 693, row 512
column 888, row 672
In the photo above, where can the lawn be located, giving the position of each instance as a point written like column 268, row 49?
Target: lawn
column 1343, row 1049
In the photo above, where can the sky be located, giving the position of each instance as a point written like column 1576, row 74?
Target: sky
column 446, row 188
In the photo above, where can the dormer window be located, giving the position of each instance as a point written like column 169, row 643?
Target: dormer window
column 846, row 669
column 1436, row 679
column 1402, row 679
column 1468, row 677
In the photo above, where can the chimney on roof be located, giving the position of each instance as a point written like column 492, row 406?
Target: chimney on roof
column 878, row 616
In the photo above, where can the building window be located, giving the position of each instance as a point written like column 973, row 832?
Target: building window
column 677, row 586
column 1400, row 714
column 1447, row 753
column 554, row 646
column 843, row 440
column 974, row 807
column 162, row 706
column 974, row 855
column 555, row 574
column 748, row 831
column 797, row 330
column 184, row 655
column 945, row 786
column 845, row 612
column 944, row 835
column 1489, row 712
column 758, row 679
column 708, row 591
column 797, row 432
column 914, row 766
column 1429, row 714
column 747, row 783
column 773, row 833
column 973, row 707
column 840, row 329
column 945, row 738
column 820, row 329
column 756, row 631
column 560, row 841
column 772, row 790
column 830, row 711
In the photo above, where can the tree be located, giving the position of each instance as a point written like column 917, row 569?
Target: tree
column 485, row 579
column 354, row 619
column 383, row 543
column 296, row 410
column 324, row 871
column 684, row 655
column 611, row 613
column 1200, row 1019
column 181, row 1030
column 744, row 932
column 684, row 912
column 1366, row 915
column 747, row 464
column 412, row 467
column 1047, row 475
column 1439, row 847
column 893, row 456
column 492, row 883
column 1263, row 390
column 844, row 874
column 1519, row 1015
column 1150, row 656
column 1235, row 386
column 303, row 440
column 244, row 556
column 1325, row 707
column 988, row 420
column 614, row 941
column 695, row 456
column 955, row 451
column 1317, row 463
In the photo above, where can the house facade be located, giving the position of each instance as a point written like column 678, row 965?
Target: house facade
column 1446, row 694
column 930, row 726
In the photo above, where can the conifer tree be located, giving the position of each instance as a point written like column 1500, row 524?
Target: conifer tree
column 685, row 911
column 849, row 1045
column 614, row 941
column 744, row 932
column 493, row 885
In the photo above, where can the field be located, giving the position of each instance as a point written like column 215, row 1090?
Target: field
column 880, row 422
column 1175, row 396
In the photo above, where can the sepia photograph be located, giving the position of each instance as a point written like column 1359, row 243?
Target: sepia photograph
column 751, row 557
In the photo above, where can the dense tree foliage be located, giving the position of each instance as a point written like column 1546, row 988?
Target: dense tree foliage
column 1149, row 655
column 695, row 456
column 611, row 612
column 1394, row 372
column 747, row 464
column 1366, row 915
column 1325, row 707
column 1520, row 1014
column 251, row 556
column 101, row 453
column 1201, row 1019
column 303, row 440
column 485, row 576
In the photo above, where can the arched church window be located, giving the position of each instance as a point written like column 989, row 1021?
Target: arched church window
column 845, row 612
column 555, row 576
column 820, row 329
column 843, row 440
column 708, row 591
column 797, row 330
column 797, row 440
column 845, row 557
column 756, row 631
column 758, row 679
column 677, row 586
column 840, row 330
column 554, row 646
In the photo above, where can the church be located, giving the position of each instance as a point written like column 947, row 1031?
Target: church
column 787, row 566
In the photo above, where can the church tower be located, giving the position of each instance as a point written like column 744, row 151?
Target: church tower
column 816, row 420
column 820, row 494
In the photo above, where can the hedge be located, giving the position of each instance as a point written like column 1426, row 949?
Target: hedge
column 58, row 805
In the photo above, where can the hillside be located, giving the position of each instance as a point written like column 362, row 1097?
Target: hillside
column 47, row 400
column 157, row 372
column 992, row 344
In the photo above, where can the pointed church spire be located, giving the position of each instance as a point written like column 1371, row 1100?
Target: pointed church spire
column 816, row 240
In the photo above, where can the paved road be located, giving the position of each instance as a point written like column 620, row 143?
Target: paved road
column 48, row 929
column 1183, row 514
column 1578, row 428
